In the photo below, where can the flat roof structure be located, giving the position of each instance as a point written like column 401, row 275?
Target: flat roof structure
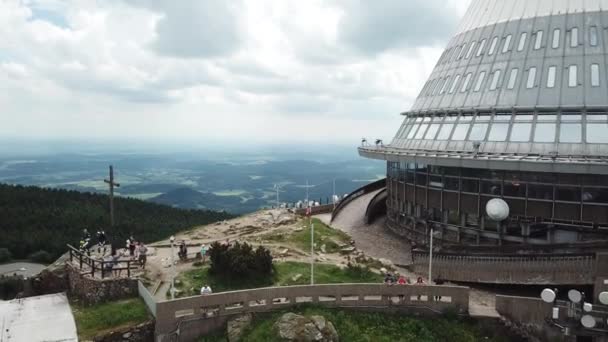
column 37, row 319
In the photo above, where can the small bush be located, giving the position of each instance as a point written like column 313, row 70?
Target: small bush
column 240, row 260
column 42, row 257
column 5, row 255
column 10, row 286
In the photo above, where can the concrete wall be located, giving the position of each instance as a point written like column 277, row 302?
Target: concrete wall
column 528, row 316
column 194, row 316
column 143, row 332
column 147, row 297
column 601, row 278
column 529, row 270
column 94, row 291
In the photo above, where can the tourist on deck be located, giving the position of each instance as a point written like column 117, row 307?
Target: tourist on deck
column 419, row 281
column 101, row 242
column 206, row 290
column 142, row 256
column 388, row 279
column 204, row 252
column 402, row 280
column 131, row 245
column 183, row 250
column 439, row 281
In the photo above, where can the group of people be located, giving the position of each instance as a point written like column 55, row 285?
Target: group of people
column 86, row 243
column 392, row 279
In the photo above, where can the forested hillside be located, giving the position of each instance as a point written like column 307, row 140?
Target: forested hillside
column 34, row 219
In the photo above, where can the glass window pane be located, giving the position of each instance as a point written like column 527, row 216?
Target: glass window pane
column 595, row 75
column 572, row 76
column 465, row 83
column 570, row 133
column 593, row 35
column 574, row 37
column 596, row 133
column 512, row 78
column 524, row 117
column 466, row 118
column 419, row 119
column 551, row 77
column 531, row 78
column 495, row 80
column 546, row 117
column 438, row 118
column 455, row 84
column 426, row 119
column 445, row 86
column 451, row 118
column 571, row 117
column 507, row 45
column 438, row 86
column 480, row 79
column 596, row 117
column 444, row 133
column 457, row 52
column 502, row 117
column 499, row 132
column 471, row 48
column 460, row 133
column 539, row 40
column 545, row 132
column 421, row 131
column 521, row 132
column 432, row 132
column 522, row 41
column 411, row 134
column 493, row 46
column 478, row 132
column 556, row 38
column 482, row 45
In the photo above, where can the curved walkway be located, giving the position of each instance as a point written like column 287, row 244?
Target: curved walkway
column 375, row 239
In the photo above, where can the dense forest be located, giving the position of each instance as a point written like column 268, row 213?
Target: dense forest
column 34, row 219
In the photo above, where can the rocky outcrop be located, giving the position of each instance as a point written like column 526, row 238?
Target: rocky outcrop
column 293, row 327
column 237, row 326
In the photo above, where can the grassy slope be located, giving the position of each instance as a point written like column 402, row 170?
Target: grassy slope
column 93, row 320
column 324, row 235
column 191, row 282
column 355, row 326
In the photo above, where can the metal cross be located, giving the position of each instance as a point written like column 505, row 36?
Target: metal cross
column 111, row 184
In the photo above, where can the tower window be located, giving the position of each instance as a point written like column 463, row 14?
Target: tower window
column 495, row 79
column 482, row 45
column 478, row 132
column 545, row 133
column 499, row 132
column 444, row 133
column 471, row 48
column 512, row 78
column 595, row 75
column 556, row 37
column 507, row 45
column 574, row 37
column 480, row 79
column 465, row 83
column 570, row 133
column 461, row 54
column 493, row 46
column 572, row 76
column 593, row 36
column 522, row 41
column 531, row 78
column 521, row 132
column 551, row 76
column 539, row 40
column 455, row 84
column 445, row 86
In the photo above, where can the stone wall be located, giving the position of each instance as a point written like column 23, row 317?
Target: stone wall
column 94, row 291
column 143, row 332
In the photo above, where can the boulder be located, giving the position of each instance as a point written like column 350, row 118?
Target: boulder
column 236, row 327
column 293, row 327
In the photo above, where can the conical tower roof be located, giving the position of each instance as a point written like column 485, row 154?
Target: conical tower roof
column 523, row 84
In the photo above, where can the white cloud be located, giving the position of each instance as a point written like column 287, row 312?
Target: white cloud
column 264, row 70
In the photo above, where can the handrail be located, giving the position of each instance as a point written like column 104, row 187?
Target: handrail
column 371, row 202
column 97, row 265
column 366, row 189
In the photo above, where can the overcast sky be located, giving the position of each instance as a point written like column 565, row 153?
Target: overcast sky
column 216, row 70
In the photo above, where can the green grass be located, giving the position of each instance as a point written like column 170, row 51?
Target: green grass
column 356, row 326
column 191, row 282
column 93, row 320
column 324, row 235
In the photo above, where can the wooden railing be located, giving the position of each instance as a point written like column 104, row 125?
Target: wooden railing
column 92, row 266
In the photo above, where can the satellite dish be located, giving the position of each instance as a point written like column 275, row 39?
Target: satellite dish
column 588, row 321
column 497, row 209
column 603, row 297
column 587, row 307
column 548, row 296
column 575, row 296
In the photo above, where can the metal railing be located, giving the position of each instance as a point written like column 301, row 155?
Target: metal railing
column 371, row 187
column 100, row 267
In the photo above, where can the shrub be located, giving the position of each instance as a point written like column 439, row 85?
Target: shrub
column 240, row 260
column 10, row 286
column 5, row 255
column 42, row 257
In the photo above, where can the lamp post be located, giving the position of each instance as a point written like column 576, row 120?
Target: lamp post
column 172, row 239
column 312, row 254
column 431, row 257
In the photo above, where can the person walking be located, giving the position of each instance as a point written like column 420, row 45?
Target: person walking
column 131, row 245
column 142, row 256
column 204, row 252
column 101, row 242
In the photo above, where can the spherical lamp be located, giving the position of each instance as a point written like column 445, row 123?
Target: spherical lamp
column 497, row 209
